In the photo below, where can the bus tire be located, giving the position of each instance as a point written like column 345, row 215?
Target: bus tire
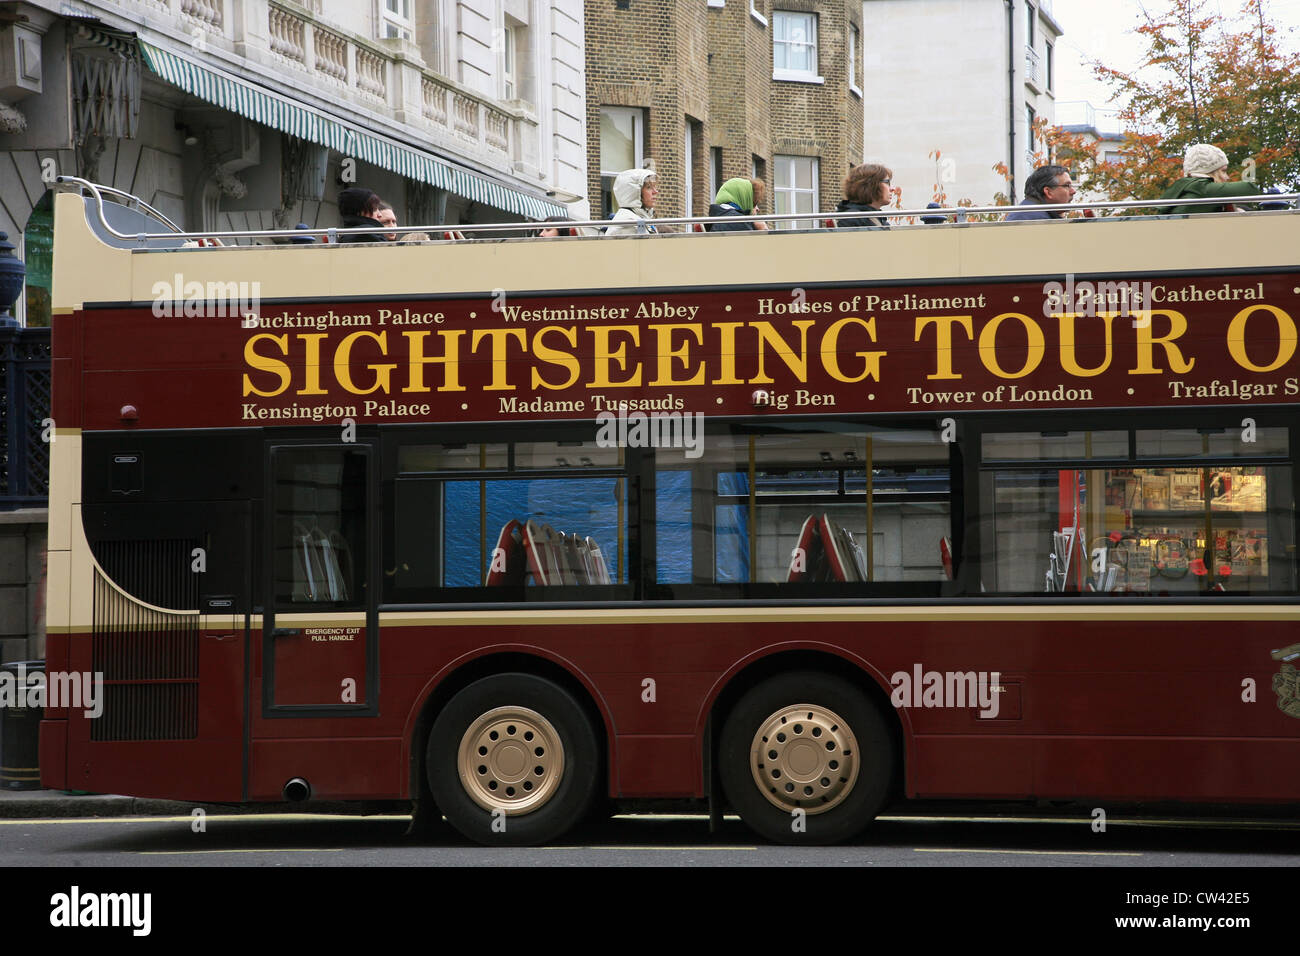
column 810, row 742
column 512, row 760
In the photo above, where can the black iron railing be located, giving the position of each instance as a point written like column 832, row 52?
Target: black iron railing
column 27, row 425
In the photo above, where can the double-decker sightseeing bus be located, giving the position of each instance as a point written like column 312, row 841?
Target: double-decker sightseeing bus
column 792, row 524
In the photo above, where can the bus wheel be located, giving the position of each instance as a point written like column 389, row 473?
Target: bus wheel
column 512, row 759
column 806, row 758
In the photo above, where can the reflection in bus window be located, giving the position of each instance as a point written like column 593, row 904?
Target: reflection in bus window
column 1219, row 527
column 796, row 506
column 468, row 524
column 319, row 526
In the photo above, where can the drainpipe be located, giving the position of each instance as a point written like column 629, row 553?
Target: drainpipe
column 1011, row 99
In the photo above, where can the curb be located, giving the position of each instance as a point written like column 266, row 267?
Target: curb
column 53, row 804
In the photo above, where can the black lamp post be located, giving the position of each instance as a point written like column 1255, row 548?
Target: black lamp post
column 12, row 275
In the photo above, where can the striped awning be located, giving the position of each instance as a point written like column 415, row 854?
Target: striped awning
column 278, row 112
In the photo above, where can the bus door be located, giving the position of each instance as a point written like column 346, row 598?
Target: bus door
column 320, row 614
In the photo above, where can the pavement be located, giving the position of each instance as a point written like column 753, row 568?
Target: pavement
column 17, row 804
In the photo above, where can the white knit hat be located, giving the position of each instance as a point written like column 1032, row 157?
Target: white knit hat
column 1203, row 159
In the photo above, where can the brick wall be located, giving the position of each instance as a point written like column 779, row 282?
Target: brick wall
column 686, row 61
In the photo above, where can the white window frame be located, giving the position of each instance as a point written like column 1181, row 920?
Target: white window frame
column 401, row 24
column 715, row 171
column 1049, row 67
column 753, row 12
column 509, row 62
column 783, row 166
column 1031, row 115
column 1031, row 22
column 688, row 142
column 796, row 76
column 718, row 3
column 638, row 136
column 855, row 40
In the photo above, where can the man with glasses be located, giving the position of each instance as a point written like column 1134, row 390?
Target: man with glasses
column 1046, row 185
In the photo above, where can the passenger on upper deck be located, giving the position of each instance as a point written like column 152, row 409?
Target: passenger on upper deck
column 551, row 232
column 357, row 207
column 635, row 191
column 866, row 189
column 1205, row 172
column 385, row 216
column 1046, row 185
column 737, row 197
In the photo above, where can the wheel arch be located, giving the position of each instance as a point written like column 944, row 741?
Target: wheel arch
column 503, row 659
column 805, row 655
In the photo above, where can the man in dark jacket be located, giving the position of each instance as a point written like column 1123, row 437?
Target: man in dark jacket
column 357, row 207
column 1205, row 172
column 1046, row 185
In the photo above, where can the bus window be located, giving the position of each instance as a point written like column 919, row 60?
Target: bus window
column 797, row 506
column 1140, row 528
column 320, row 527
column 509, row 521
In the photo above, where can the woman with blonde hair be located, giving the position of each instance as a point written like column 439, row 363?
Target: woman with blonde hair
column 866, row 189
column 737, row 197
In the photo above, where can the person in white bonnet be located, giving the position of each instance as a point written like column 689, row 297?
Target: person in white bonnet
column 635, row 191
column 1205, row 175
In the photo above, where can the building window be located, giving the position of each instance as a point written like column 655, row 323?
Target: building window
column 688, row 171
column 756, row 13
column 622, row 146
column 395, row 21
column 759, row 166
column 1050, row 70
column 795, row 189
column 715, row 171
column 1030, row 116
column 509, row 62
column 1031, row 24
column 794, row 46
column 855, row 41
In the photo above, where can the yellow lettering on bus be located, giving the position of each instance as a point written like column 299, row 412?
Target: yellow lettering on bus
column 664, row 348
column 943, row 340
column 767, row 335
column 1286, row 338
column 604, row 354
column 1033, row 354
column 1146, row 342
column 450, row 360
column 830, row 351
column 556, row 356
column 264, row 363
column 500, row 339
column 311, row 364
column 343, row 358
column 727, row 353
column 1070, row 358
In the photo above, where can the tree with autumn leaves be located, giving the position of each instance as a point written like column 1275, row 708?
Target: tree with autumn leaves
column 1205, row 78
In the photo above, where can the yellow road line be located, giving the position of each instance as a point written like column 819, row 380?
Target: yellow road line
column 918, row 849
column 198, row 852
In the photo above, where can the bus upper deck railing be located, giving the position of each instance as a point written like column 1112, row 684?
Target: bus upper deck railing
column 959, row 214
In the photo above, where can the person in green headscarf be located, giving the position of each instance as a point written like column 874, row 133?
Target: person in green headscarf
column 738, row 197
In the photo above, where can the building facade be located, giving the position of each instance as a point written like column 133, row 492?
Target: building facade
column 248, row 114
column 711, row 90
column 965, row 79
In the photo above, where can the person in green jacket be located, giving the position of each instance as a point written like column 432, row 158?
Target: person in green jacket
column 1205, row 171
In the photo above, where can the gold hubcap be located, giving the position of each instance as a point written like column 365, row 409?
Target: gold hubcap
column 804, row 756
column 510, row 759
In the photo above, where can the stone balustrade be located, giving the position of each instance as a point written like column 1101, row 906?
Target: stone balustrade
column 291, row 37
